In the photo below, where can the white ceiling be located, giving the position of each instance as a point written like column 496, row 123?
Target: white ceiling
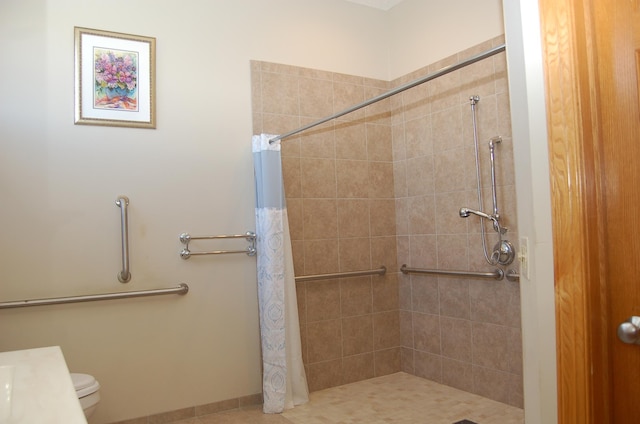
column 378, row 4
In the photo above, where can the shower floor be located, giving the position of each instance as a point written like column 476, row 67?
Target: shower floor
column 396, row 398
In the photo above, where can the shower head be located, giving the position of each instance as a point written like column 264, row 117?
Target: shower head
column 465, row 212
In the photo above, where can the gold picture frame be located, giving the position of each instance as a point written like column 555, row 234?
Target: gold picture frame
column 114, row 79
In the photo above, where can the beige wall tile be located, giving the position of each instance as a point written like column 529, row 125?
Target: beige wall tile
column 320, row 257
column 385, row 292
column 383, row 253
column 381, row 180
column 324, row 340
column 355, row 254
column 383, row 217
column 316, row 97
column 424, row 294
column 280, row 94
column 320, row 219
column 457, row 374
column 490, row 346
column 358, row 368
column 418, row 137
column 407, row 362
column 323, row 300
column 406, row 329
column 291, row 177
column 427, row 365
column 453, row 252
column 386, row 330
column 420, row 176
column 454, row 297
column 352, row 178
column 353, row 218
column 387, row 361
column 455, row 337
column 448, row 131
column 318, row 142
column 449, row 171
column 350, row 140
column 356, row 296
column 357, row 335
column 318, row 177
column 323, row 375
column 295, row 218
column 347, row 94
column 492, row 384
column 379, row 146
column 426, row 333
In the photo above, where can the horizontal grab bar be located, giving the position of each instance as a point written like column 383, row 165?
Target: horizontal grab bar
column 186, row 253
column 512, row 275
column 380, row 271
column 498, row 274
column 181, row 289
column 186, row 237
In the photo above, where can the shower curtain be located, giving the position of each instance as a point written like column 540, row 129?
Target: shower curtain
column 284, row 383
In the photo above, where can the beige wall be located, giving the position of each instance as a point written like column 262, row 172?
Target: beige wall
column 193, row 173
column 426, row 31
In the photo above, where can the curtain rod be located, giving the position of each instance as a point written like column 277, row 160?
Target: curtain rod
column 441, row 72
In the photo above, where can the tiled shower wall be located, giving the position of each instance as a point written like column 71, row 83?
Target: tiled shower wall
column 341, row 206
column 458, row 331
column 383, row 186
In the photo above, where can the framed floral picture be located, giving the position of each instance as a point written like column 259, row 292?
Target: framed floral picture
column 114, row 79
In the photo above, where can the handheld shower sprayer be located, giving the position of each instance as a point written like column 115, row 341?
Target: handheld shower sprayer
column 503, row 252
column 465, row 212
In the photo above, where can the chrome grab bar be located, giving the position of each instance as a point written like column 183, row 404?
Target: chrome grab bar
column 181, row 289
column 380, row 271
column 498, row 274
column 512, row 275
column 185, row 238
column 124, row 276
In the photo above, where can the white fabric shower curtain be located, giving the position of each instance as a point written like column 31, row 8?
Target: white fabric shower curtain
column 284, row 383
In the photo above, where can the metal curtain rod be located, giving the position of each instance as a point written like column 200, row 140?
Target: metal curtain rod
column 498, row 274
column 380, row 271
column 434, row 75
column 181, row 289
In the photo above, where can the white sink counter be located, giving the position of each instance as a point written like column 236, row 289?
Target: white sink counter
column 42, row 390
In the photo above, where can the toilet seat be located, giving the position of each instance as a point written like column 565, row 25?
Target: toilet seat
column 84, row 384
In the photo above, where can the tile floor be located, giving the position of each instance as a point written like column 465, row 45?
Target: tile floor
column 397, row 398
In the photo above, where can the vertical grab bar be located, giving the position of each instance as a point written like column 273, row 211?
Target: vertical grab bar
column 124, row 276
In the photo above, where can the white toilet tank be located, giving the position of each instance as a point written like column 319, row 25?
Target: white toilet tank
column 87, row 389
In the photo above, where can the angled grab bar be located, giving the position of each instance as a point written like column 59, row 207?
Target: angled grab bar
column 124, row 276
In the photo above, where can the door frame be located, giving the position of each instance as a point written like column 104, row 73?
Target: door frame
column 575, row 161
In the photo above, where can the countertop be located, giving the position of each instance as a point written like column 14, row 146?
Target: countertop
column 41, row 391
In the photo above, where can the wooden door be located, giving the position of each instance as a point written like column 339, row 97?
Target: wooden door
column 618, row 46
column 592, row 69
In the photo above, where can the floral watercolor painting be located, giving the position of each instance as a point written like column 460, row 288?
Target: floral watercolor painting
column 115, row 83
column 116, row 79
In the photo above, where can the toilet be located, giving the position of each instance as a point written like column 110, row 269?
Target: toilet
column 88, row 391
